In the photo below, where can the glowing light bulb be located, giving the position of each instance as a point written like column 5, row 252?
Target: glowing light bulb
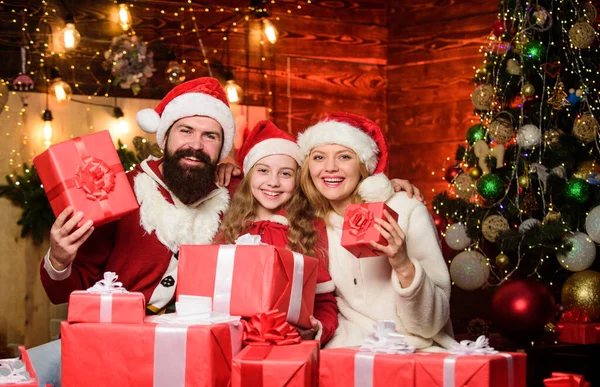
column 47, row 127
column 61, row 91
column 270, row 31
column 122, row 125
column 70, row 36
column 124, row 16
column 234, row 91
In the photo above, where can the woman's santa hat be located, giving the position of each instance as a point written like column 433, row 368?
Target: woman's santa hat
column 264, row 140
column 365, row 138
column 198, row 97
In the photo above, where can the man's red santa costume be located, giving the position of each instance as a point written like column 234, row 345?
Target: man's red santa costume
column 142, row 247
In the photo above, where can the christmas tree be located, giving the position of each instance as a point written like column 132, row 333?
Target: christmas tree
column 524, row 193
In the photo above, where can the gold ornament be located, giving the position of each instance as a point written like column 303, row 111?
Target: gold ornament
column 524, row 181
column 513, row 67
column 582, row 291
column 582, row 35
column 483, row 96
column 502, row 260
column 551, row 137
column 552, row 216
column 493, row 225
column 558, row 97
column 483, row 70
column 475, row 173
column 528, row 90
column 586, row 128
column 589, row 12
column 585, row 168
column 464, row 186
column 500, row 130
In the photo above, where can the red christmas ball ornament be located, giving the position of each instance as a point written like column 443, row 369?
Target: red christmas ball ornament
column 440, row 222
column 451, row 173
column 499, row 28
column 521, row 309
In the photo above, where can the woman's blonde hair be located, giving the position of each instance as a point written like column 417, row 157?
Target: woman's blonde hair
column 320, row 204
column 301, row 234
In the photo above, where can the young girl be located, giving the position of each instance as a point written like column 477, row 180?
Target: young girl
column 270, row 160
column 344, row 159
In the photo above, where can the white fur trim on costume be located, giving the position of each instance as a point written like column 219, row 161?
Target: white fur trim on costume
column 56, row 275
column 269, row 147
column 280, row 219
column 148, row 120
column 325, row 287
column 198, row 104
column 173, row 225
column 334, row 132
column 376, row 188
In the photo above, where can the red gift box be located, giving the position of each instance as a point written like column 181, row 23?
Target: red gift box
column 561, row 379
column 149, row 354
column 33, row 382
column 244, row 280
column 294, row 365
column 349, row 367
column 358, row 229
column 86, row 173
column 125, row 308
column 578, row 333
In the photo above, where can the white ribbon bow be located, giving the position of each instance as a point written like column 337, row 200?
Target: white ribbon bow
column 481, row 346
column 385, row 339
column 249, row 239
column 543, row 173
column 108, row 285
column 15, row 371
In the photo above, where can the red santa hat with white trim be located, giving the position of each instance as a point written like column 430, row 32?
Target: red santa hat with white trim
column 264, row 140
column 365, row 138
column 197, row 97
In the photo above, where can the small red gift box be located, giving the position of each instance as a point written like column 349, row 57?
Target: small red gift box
column 149, row 354
column 125, row 308
column 244, row 280
column 294, row 365
column 561, row 379
column 86, row 173
column 349, row 367
column 32, row 382
column 358, row 229
column 578, row 333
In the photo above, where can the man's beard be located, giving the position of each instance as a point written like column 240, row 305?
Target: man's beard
column 189, row 183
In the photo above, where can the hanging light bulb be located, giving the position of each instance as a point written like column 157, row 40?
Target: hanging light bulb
column 47, row 127
column 122, row 126
column 59, row 89
column 69, row 35
column 124, row 16
column 234, row 92
column 270, row 31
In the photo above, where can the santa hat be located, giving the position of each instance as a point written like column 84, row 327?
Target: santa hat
column 198, row 97
column 365, row 138
column 264, row 140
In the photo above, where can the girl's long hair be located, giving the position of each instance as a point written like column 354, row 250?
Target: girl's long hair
column 302, row 236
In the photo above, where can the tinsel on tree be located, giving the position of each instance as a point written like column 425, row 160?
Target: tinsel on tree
column 524, row 193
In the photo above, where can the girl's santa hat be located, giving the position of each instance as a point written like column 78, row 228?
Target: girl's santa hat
column 365, row 138
column 264, row 140
column 198, row 97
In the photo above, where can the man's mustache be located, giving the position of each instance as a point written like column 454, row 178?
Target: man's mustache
column 198, row 154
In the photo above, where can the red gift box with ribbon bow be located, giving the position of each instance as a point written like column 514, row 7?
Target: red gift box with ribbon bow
column 275, row 356
column 244, row 280
column 17, row 379
column 148, row 354
column 576, row 327
column 561, row 379
column 86, row 173
column 358, row 229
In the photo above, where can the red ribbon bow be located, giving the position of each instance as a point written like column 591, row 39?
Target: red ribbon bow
column 360, row 220
column 270, row 328
column 96, row 178
column 575, row 315
column 561, row 379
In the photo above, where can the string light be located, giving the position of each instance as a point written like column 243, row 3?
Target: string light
column 124, row 16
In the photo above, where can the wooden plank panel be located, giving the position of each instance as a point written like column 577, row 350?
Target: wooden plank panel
column 430, row 122
column 423, row 12
column 414, row 161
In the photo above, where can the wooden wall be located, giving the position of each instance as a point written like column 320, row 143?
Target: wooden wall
column 433, row 46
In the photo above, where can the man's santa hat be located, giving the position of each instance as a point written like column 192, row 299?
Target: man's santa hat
column 264, row 140
column 198, row 97
column 365, row 138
